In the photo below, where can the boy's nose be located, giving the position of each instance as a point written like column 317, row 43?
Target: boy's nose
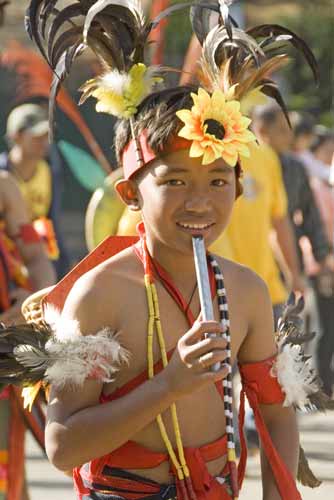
column 197, row 204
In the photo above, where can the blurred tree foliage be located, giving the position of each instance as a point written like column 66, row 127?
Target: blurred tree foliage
column 315, row 24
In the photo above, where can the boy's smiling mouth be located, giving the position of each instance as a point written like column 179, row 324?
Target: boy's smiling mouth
column 195, row 227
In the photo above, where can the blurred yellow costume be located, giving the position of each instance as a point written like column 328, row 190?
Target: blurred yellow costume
column 107, row 215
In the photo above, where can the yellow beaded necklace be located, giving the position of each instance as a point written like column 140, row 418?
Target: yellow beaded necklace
column 154, row 324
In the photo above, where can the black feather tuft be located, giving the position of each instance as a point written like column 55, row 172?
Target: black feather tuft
column 23, row 358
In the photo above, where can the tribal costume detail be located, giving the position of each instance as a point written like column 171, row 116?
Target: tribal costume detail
column 13, row 418
column 259, row 385
column 234, row 64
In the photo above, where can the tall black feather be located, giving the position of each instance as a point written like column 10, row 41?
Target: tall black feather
column 204, row 15
column 116, row 31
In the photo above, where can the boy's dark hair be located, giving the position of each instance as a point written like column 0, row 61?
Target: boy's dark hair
column 322, row 135
column 157, row 115
column 302, row 123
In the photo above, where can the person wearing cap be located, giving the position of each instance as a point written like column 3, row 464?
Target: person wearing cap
column 27, row 136
column 24, row 268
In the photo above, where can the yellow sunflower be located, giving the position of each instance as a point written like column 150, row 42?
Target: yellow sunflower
column 216, row 127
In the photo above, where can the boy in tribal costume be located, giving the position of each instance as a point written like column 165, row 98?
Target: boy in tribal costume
column 135, row 409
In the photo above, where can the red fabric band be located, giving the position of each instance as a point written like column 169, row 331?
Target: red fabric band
column 259, row 375
column 129, row 158
column 28, row 234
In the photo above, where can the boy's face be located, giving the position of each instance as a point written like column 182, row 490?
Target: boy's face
column 325, row 152
column 34, row 147
column 278, row 134
column 180, row 198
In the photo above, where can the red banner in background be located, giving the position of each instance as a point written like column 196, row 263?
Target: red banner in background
column 158, row 34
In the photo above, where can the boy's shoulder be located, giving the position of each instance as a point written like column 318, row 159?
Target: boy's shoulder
column 101, row 290
column 241, row 278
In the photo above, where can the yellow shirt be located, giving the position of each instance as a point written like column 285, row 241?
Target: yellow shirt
column 37, row 191
column 246, row 240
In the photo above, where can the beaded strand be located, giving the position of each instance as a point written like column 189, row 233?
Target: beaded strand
column 154, row 323
column 227, row 382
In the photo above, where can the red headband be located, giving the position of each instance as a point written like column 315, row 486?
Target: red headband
column 130, row 161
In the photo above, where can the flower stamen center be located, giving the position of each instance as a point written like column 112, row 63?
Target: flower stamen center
column 215, row 128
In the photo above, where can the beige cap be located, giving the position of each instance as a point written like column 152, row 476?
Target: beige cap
column 30, row 117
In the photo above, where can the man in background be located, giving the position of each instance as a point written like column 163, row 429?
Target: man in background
column 271, row 128
column 27, row 135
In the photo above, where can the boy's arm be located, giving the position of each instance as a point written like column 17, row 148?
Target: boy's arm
column 288, row 245
column 79, row 429
column 40, row 269
column 280, row 421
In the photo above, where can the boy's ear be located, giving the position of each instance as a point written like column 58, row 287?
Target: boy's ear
column 128, row 192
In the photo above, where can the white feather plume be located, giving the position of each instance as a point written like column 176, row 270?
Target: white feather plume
column 74, row 357
column 115, row 81
column 295, row 375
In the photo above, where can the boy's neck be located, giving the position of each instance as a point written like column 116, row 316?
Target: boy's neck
column 179, row 266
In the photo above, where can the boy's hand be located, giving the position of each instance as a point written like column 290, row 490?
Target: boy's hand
column 194, row 356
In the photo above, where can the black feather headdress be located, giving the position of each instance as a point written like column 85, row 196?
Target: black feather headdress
column 115, row 30
column 241, row 62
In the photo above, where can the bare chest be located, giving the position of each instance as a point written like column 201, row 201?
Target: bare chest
column 132, row 323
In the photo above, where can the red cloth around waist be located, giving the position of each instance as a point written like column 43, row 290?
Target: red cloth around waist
column 136, row 456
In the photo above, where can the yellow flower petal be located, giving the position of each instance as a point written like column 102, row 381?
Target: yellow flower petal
column 196, row 150
column 218, row 100
column 230, row 159
column 185, row 115
column 209, row 156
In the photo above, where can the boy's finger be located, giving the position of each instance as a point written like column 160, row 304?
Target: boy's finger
column 206, row 361
column 205, row 346
column 217, row 375
column 200, row 328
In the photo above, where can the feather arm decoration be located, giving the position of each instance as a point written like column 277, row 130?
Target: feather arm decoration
column 297, row 376
column 293, row 368
column 56, row 353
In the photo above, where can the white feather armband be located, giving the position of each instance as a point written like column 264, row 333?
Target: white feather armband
column 293, row 369
column 295, row 375
column 57, row 353
column 76, row 357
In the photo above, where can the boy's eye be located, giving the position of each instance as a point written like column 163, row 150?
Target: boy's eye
column 175, row 182
column 219, row 182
